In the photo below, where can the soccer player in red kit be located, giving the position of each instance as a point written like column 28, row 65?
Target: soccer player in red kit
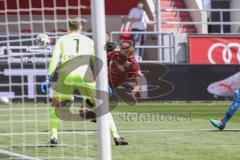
column 122, row 66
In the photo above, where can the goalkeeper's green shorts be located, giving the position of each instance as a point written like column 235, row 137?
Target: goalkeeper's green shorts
column 67, row 86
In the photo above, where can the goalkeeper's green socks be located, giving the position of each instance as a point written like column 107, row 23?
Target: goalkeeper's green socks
column 54, row 123
column 113, row 127
column 53, row 133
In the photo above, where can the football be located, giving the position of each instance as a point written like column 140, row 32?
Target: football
column 4, row 100
column 42, row 40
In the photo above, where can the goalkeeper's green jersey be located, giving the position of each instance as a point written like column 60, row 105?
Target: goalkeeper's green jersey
column 68, row 47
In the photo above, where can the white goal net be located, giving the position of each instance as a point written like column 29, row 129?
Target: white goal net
column 24, row 110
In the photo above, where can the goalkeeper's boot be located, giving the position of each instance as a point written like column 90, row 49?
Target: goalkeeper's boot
column 52, row 142
column 217, row 123
column 120, row 141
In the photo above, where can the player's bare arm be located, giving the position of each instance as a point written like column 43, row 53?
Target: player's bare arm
column 137, row 89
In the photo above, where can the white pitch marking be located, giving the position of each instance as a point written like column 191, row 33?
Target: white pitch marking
column 126, row 131
column 46, row 133
column 59, row 145
column 22, row 156
column 174, row 130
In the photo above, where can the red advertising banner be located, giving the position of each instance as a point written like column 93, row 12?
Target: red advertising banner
column 214, row 49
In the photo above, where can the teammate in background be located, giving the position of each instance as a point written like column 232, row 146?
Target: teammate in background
column 220, row 124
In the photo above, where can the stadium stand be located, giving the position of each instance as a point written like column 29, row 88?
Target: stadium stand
column 178, row 17
column 26, row 31
column 169, row 15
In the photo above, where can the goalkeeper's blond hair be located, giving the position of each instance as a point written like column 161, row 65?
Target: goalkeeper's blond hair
column 75, row 24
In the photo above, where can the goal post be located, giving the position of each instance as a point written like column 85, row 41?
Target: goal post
column 99, row 31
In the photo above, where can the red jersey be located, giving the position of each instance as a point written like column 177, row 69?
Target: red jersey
column 120, row 71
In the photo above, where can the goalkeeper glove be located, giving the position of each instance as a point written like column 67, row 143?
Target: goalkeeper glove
column 46, row 84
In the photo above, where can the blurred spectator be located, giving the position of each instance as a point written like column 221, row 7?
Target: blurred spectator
column 206, row 4
column 125, row 27
column 139, row 21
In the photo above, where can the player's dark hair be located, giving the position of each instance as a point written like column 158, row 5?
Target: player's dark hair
column 74, row 24
column 110, row 46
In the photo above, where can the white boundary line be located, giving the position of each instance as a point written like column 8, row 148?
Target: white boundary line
column 22, row 156
column 175, row 130
column 126, row 131
column 47, row 133
column 120, row 113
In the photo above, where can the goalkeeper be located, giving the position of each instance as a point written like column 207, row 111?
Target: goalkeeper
column 68, row 47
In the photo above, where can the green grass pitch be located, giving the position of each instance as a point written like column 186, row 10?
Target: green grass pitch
column 172, row 131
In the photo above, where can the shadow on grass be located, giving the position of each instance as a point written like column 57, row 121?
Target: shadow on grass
column 226, row 130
